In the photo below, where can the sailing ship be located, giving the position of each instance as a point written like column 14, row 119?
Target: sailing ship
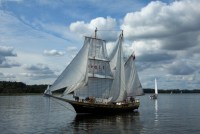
column 155, row 96
column 100, row 83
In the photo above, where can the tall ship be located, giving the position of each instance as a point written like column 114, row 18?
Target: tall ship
column 99, row 83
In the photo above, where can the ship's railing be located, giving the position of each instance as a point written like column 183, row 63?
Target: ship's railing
column 107, row 101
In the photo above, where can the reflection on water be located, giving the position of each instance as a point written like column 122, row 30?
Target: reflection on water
column 118, row 124
column 156, row 110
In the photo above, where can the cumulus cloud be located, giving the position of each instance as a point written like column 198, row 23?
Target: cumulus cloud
column 83, row 28
column 9, row 63
column 166, row 37
column 161, row 28
column 181, row 68
column 158, row 19
column 180, row 41
column 38, row 71
column 148, row 51
column 154, row 57
column 142, row 66
column 8, row 76
column 7, row 52
column 72, row 51
column 53, row 52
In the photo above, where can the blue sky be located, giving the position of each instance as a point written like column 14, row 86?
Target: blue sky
column 40, row 37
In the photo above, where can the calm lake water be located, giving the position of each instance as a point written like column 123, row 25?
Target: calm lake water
column 170, row 114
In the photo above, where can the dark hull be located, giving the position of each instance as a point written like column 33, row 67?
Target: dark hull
column 96, row 108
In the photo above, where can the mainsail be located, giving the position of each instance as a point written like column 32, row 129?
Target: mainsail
column 133, row 85
column 93, row 73
column 98, row 71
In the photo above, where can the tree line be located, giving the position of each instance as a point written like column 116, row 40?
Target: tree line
column 176, row 91
column 7, row 87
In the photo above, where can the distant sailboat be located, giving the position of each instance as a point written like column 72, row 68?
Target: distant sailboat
column 155, row 96
column 47, row 92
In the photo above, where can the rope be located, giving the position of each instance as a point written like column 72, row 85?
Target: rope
column 63, row 105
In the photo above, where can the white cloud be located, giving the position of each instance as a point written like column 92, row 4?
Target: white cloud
column 9, row 63
column 5, row 52
column 29, row 48
column 165, row 41
column 82, row 28
column 72, row 49
column 141, row 47
column 181, row 68
column 38, row 71
column 53, row 52
column 158, row 19
column 7, row 76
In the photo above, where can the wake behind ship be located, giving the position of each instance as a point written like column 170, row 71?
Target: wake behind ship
column 100, row 83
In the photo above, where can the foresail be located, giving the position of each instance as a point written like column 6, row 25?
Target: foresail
column 118, row 90
column 75, row 72
column 133, row 85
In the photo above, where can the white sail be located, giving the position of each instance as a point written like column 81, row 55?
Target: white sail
column 98, row 71
column 156, row 87
column 113, row 56
column 96, row 87
column 75, row 72
column 118, row 90
column 47, row 91
column 133, row 85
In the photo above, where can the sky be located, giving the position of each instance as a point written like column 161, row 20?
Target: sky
column 39, row 38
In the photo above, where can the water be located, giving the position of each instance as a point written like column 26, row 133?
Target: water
column 176, row 113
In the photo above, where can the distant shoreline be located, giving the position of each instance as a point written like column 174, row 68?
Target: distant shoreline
column 20, row 88
column 19, row 94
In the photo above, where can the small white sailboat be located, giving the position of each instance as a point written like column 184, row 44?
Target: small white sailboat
column 155, row 96
column 47, row 92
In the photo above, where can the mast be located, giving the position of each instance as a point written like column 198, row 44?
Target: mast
column 95, row 34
